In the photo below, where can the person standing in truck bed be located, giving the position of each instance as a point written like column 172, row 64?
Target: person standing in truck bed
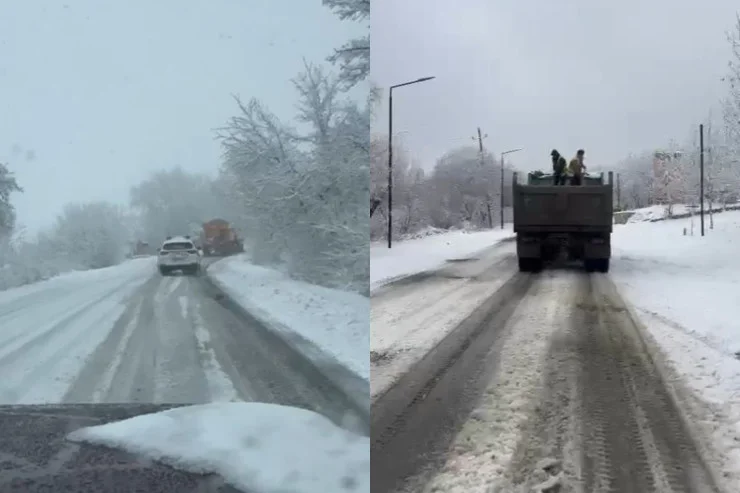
column 576, row 168
column 558, row 167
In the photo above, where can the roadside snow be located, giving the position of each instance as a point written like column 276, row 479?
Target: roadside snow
column 659, row 212
column 336, row 321
column 428, row 252
column 686, row 291
column 48, row 329
column 256, row 447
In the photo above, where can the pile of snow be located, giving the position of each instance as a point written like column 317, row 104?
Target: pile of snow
column 410, row 257
column 256, row 447
column 336, row 321
column 686, row 291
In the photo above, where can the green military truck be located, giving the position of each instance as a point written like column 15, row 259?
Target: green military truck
column 552, row 220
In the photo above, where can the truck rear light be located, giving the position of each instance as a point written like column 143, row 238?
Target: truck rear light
column 162, row 252
column 598, row 241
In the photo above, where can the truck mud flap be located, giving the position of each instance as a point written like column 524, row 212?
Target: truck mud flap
column 528, row 247
column 597, row 248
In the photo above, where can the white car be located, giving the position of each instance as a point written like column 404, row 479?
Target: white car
column 178, row 253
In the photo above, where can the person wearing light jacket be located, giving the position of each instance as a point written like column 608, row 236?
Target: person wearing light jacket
column 576, row 168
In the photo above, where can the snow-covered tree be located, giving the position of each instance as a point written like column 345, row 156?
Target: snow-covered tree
column 175, row 202
column 463, row 190
column 353, row 57
column 8, row 185
column 89, row 236
column 303, row 196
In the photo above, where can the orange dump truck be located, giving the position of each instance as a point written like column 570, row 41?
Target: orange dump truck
column 218, row 239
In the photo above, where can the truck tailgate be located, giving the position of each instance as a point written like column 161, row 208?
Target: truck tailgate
column 576, row 207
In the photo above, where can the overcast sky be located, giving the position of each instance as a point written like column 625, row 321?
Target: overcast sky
column 611, row 77
column 97, row 94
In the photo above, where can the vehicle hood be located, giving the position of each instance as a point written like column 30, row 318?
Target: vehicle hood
column 35, row 455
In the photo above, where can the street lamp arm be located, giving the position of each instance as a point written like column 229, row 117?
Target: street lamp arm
column 423, row 79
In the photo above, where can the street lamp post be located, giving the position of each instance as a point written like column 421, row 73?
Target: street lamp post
column 390, row 152
column 501, row 205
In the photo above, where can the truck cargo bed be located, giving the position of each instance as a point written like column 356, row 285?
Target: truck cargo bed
column 562, row 208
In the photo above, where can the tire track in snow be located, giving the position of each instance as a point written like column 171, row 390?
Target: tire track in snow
column 601, row 419
column 127, row 366
column 28, row 332
column 43, row 362
column 180, row 377
column 489, row 440
column 220, row 383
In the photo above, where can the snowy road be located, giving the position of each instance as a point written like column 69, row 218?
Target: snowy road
column 549, row 381
column 129, row 335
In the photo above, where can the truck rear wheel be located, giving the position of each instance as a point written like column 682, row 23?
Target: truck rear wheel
column 603, row 265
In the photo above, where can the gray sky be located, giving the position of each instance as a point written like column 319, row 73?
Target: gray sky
column 611, row 77
column 98, row 94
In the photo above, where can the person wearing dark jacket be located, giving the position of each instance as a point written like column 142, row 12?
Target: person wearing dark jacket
column 558, row 167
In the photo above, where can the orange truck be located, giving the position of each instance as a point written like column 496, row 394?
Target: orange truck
column 219, row 239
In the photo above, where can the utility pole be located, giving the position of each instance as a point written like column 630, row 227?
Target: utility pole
column 390, row 166
column 701, row 175
column 483, row 164
column 619, row 194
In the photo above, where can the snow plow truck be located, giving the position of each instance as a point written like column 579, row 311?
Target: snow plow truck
column 555, row 220
column 219, row 239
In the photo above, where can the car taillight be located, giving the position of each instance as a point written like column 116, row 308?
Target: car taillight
column 162, row 252
column 192, row 251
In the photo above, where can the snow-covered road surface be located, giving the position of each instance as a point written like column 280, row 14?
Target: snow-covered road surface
column 127, row 334
column 411, row 316
column 549, row 381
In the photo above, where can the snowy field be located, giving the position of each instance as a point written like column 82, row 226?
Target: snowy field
column 336, row 321
column 416, row 255
column 255, row 447
column 684, row 288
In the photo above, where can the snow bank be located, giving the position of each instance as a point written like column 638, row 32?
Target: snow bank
column 336, row 321
column 256, row 447
column 686, row 291
column 410, row 257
